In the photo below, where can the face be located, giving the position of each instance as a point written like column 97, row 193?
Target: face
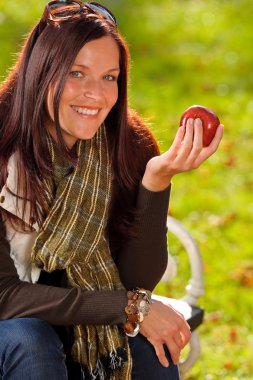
column 90, row 92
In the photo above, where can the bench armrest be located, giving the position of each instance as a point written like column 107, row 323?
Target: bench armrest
column 195, row 286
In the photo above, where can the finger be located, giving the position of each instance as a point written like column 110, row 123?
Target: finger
column 172, row 152
column 217, row 138
column 179, row 341
column 181, row 160
column 188, row 139
column 174, row 351
column 198, row 134
column 160, row 353
column 184, row 330
column 189, row 130
column 185, row 333
column 197, row 140
column 212, row 147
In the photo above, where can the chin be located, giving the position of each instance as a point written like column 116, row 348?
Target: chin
column 87, row 136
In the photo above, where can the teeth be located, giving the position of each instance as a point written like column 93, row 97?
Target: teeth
column 85, row 111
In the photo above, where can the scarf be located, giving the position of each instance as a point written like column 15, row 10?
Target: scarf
column 73, row 238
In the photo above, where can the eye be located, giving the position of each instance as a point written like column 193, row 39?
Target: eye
column 110, row 78
column 75, row 74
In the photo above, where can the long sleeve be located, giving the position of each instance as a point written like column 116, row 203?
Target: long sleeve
column 141, row 262
column 59, row 306
column 143, row 259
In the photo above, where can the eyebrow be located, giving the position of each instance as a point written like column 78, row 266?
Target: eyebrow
column 86, row 67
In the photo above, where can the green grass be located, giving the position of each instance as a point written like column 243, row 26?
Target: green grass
column 188, row 52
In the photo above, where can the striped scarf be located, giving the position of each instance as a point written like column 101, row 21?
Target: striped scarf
column 73, row 238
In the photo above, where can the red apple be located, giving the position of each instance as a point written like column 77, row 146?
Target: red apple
column 210, row 121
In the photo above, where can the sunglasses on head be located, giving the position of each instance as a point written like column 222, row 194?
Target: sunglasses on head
column 63, row 10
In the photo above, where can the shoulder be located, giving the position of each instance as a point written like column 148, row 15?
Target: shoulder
column 12, row 199
column 11, row 183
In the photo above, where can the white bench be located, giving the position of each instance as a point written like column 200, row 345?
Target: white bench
column 187, row 305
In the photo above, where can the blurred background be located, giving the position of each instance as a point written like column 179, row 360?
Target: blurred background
column 188, row 52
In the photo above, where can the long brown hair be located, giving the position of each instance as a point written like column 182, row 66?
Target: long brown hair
column 46, row 57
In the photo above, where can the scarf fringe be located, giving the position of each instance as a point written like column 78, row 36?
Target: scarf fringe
column 106, row 366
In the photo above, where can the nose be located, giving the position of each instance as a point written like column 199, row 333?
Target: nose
column 93, row 89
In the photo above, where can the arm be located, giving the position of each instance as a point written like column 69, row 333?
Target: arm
column 164, row 325
column 143, row 259
column 56, row 305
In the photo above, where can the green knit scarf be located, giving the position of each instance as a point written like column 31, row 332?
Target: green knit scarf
column 73, row 238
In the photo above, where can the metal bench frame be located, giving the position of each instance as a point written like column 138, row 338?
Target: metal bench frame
column 187, row 305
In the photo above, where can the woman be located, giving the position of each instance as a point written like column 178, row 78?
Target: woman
column 83, row 209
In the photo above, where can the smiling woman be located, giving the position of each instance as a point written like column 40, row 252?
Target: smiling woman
column 83, row 204
column 90, row 92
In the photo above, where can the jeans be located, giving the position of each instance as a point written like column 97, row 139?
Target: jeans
column 30, row 349
column 145, row 363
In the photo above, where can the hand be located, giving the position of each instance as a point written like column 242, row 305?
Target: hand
column 186, row 153
column 165, row 325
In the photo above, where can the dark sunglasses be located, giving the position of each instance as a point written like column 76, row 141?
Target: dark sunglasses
column 63, row 10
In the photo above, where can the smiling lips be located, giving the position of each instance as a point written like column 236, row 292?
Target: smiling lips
column 86, row 111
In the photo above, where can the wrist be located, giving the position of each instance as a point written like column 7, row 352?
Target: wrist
column 139, row 301
column 156, row 178
column 156, row 185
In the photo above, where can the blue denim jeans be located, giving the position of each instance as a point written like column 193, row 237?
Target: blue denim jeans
column 145, row 363
column 30, row 349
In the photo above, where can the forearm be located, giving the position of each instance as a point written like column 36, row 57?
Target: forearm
column 58, row 306
column 143, row 259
